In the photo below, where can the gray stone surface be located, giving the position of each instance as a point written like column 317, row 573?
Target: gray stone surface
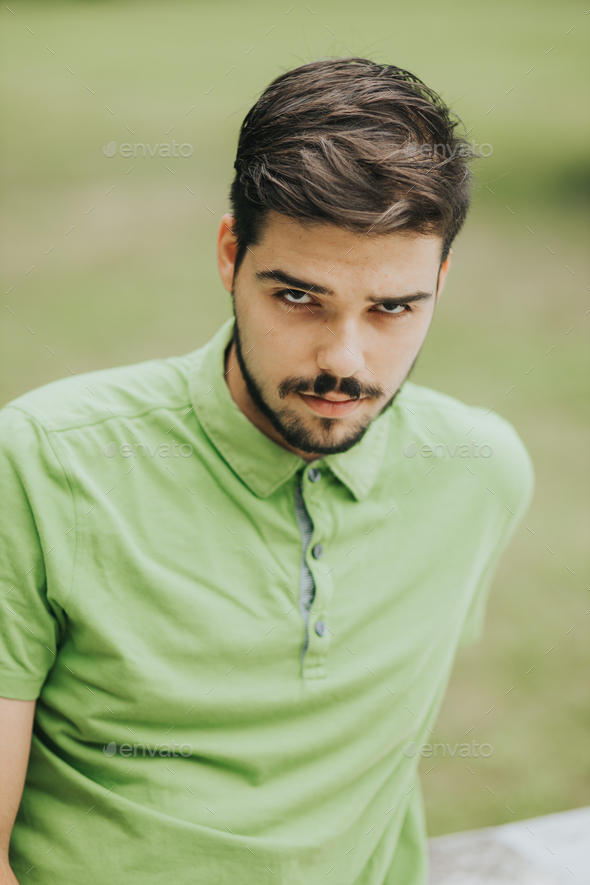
column 545, row 850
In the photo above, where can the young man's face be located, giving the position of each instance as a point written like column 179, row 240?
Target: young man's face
column 328, row 325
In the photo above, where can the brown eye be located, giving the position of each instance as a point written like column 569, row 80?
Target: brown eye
column 394, row 311
column 292, row 292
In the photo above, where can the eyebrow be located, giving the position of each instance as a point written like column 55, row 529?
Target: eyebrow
column 281, row 277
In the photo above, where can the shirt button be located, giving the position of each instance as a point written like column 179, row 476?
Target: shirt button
column 318, row 551
column 314, row 474
column 320, row 628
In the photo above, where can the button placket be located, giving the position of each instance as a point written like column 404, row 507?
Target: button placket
column 316, row 490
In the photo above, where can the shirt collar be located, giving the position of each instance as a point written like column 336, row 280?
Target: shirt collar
column 259, row 462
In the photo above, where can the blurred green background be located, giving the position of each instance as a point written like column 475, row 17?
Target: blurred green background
column 112, row 261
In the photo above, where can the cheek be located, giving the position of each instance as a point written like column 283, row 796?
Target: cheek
column 396, row 357
column 282, row 356
column 272, row 359
column 287, row 341
column 412, row 337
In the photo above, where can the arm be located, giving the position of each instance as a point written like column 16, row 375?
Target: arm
column 16, row 725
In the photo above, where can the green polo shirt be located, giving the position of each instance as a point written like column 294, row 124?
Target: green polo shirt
column 150, row 569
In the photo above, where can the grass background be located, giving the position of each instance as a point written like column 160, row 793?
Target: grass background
column 126, row 274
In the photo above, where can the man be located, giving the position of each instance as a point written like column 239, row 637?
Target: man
column 236, row 580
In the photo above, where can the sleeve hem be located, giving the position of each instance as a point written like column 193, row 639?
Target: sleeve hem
column 18, row 689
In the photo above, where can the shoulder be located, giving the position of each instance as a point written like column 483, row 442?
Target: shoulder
column 448, row 415
column 482, row 437
column 93, row 397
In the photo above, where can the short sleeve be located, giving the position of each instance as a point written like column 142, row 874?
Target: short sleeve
column 34, row 495
column 516, row 486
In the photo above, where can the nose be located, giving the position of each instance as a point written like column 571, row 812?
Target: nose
column 341, row 351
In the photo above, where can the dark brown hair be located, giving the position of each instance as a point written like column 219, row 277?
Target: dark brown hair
column 346, row 141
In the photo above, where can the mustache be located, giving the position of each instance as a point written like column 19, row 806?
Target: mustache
column 323, row 384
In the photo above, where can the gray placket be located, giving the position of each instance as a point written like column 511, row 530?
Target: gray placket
column 306, row 583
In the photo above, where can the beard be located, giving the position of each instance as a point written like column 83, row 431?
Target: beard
column 318, row 434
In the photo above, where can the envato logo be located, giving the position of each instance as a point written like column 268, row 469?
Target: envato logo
column 164, row 450
column 165, row 150
column 464, row 450
column 159, row 749
column 469, row 149
column 465, row 750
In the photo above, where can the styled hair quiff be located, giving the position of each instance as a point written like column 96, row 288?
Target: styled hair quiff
column 365, row 146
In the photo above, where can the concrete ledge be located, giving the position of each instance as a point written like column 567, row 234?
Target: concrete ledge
column 545, row 850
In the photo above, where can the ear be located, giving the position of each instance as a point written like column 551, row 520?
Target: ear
column 442, row 274
column 226, row 251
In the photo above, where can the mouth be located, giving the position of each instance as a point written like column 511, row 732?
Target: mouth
column 330, row 407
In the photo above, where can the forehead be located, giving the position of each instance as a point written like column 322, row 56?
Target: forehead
column 330, row 252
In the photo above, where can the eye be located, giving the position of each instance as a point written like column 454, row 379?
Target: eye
column 294, row 297
column 394, row 310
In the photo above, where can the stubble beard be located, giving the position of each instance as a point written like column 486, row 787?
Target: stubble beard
column 313, row 437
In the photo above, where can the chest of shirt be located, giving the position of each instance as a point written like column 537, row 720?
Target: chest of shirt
column 183, row 574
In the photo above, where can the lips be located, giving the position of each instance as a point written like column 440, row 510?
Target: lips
column 330, row 408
